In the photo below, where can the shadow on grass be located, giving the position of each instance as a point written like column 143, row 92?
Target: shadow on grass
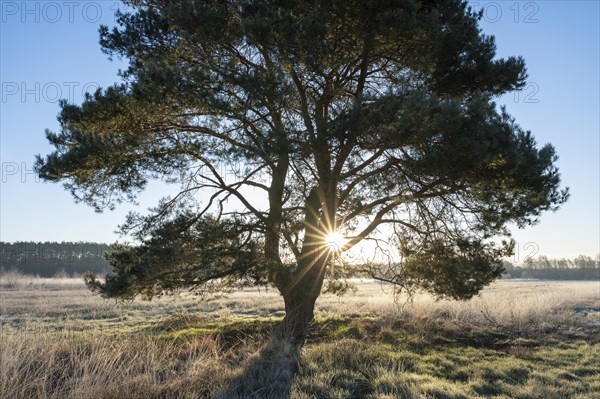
column 268, row 375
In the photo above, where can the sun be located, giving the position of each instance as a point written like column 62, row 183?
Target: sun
column 335, row 241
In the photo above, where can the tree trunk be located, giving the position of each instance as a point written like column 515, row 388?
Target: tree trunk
column 299, row 314
column 303, row 286
column 300, row 301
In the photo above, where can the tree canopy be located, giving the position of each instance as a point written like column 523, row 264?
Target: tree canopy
column 346, row 115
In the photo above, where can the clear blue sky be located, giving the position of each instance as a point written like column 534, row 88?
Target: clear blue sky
column 50, row 50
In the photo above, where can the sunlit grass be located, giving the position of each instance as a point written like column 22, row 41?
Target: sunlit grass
column 517, row 340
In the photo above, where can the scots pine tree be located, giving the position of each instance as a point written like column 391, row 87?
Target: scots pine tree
column 337, row 117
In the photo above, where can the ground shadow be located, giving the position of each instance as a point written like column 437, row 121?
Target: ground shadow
column 268, row 375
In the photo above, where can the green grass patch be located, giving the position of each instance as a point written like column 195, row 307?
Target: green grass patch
column 446, row 371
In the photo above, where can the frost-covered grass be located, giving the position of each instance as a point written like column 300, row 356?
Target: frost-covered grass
column 516, row 340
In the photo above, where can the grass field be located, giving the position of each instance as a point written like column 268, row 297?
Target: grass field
column 529, row 339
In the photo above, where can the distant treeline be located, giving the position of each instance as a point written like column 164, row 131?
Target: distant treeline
column 581, row 268
column 49, row 259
